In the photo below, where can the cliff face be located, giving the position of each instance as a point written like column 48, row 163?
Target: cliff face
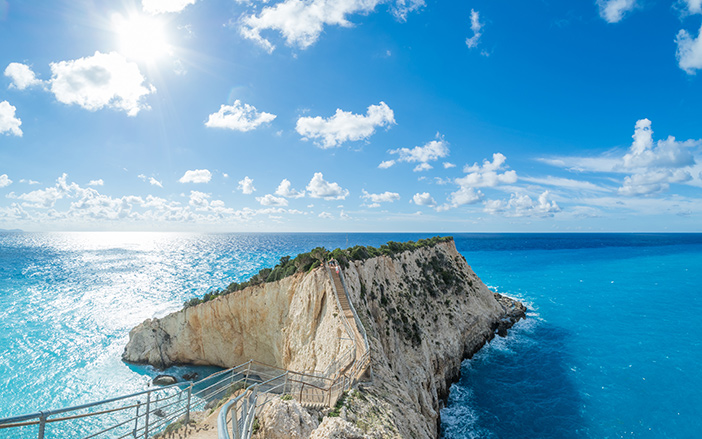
column 424, row 311
column 289, row 324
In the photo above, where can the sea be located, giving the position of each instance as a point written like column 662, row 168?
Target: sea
column 611, row 346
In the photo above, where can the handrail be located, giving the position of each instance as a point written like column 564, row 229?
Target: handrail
column 317, row 387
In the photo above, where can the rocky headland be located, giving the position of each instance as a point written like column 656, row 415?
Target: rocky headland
column 424, row 311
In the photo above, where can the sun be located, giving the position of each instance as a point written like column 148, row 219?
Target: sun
column 141, row 37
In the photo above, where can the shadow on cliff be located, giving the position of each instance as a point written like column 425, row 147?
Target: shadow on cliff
column 521, row 386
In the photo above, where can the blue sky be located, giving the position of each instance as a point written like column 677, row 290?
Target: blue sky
column 351, row 115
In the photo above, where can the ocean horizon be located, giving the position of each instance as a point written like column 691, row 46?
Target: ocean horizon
column 609, row 348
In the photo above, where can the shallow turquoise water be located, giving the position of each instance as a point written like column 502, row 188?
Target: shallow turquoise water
column 611, row 347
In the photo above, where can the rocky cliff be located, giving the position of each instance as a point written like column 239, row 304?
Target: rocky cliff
column 424, row 311
column 292, row 324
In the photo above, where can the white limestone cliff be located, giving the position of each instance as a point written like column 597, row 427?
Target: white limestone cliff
column 424, row 311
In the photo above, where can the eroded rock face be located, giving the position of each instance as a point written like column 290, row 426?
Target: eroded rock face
column 336, row 428
column 292, row 323
column 424, row 311
column 285, row 420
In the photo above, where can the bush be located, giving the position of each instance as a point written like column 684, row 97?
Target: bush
column 306, row 262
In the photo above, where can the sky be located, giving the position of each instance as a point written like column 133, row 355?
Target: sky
column 351, row 115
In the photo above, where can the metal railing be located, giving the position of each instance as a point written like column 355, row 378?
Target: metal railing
column 146, row 413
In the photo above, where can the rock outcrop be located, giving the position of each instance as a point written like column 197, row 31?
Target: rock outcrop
column 424, row 311
column 291, row 324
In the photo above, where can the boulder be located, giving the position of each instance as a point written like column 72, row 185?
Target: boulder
column 164, row 380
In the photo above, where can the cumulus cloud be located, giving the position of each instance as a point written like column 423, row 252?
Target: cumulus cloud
column 98, row 182
column 613, row 11
column 448, row 165
column 487, row 174
column 522, row 205
column 693, row 6
column 163, row 6
column 9, row 124
column 285, row 190
column 344, row 126
column 423, row 199
column 100, row 81
column 196, row 176
column 238, row 117
column 270, row 200
column 302, row 22
column 476, row 26
column 5, row 180
column 326, row 215
column 689, row 52
column 431, row 151
column 69, row 203
column 652, row 165
column 246, row 186
column 386, row 164
column 22, row 76
column 320, row 188
column 376, row 199
column 151, row 180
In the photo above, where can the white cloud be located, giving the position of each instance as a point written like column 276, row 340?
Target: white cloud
column 693, row 6
column 344, row 126
column 320, row 188
column 476, row 26
column 196, row 176
column 238, row 117
column 270, row 200
column 521, row 205
column 9, row 124
column 376, row 199
column 423, row 199
column 22, row 76
column 465, row 195
column 653, row 181
column 524, row 206
column 386, row 164
column 652, row 166
column 199, row 200
column 5, row 180
column 28, row 181
column 99, row 81
column 566, row 183
column 285, row 190
column 326, row 215
column 487, row 175
column 422, row 167
column 152, row 181
column 448, row 165
column 403, row 7
column 98, row 182
column 689, row 53
column 431, row 151
column 161, row 6
column 246, row 186
column 302, row 22
column 613, row 11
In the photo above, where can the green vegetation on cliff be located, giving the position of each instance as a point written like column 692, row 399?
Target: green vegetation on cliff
column 305, row 262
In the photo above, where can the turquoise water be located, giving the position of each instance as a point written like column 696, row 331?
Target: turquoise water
column 611, row 347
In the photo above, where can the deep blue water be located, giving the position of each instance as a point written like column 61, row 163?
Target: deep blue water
column 611, row 347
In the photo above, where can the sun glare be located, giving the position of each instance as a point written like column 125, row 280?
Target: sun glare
column 141, row 37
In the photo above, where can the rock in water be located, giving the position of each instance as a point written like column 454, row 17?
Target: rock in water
column 164, row 380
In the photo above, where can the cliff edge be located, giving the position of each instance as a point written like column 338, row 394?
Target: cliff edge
column 424, row 311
